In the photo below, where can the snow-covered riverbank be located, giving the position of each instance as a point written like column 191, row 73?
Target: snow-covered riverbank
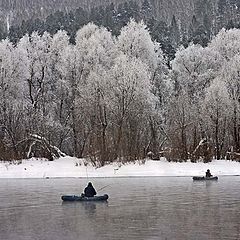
column 73, row 167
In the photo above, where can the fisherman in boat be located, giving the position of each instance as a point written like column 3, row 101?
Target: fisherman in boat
column 208, row 174
column 89, row 191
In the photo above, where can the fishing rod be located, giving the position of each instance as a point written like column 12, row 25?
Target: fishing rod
column 87, row 173
column 103, row 188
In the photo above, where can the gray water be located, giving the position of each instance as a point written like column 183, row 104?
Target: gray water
column 138, row 208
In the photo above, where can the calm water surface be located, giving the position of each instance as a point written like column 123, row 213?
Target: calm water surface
column 138, row 208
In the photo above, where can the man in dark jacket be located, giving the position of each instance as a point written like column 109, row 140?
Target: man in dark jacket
column 89, row 191
column 208, row 174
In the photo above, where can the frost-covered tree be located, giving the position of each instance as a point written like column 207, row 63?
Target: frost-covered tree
column 226, row 43
column 7, row 86
column 230, row 74
column 58, row 123
column 68, row 84
column 216, row 107
column 38, row 80
column 94, row 54
column 131, row 96
column 135, row 41
column 11, row 90
column 180, row 126
column 194, row 68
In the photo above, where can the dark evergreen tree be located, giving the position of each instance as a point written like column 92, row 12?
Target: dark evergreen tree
column 208, row 26
column 200, row 36
column 77, row 19
column 161, row 34
column 223, row 13
column 97, row 15
column 69, row 25
column 192, row 28
column 151, row 23
column 222, row 4
column 174, row 33
column 134, row 10
column 3, row 32
column 110, row 18
column 80, row 17
column 15, row 33
column 125, row 12
column 230, row 25
column 198, row 33
column 146, row 11
column 55, row 22
column 184, row 41
column 35, row 25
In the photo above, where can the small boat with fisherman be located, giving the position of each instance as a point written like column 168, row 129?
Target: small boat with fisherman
column 89, row 195
column 207, row 177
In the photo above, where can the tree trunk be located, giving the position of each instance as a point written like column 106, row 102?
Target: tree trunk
column 235, row 131
column 183, row 136
column 153, row 136
column 217, row 136
column 119, row 139
column 75, row 142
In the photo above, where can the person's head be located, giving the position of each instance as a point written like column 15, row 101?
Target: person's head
column 208, row 170
column 90, row 184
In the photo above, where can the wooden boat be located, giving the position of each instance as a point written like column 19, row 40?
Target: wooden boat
column 205, row 178
column 72, row 198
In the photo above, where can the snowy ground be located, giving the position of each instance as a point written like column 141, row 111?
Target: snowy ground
column 73, row 167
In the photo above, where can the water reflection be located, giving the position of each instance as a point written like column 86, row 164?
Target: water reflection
column 208, row 183
column 89, row 208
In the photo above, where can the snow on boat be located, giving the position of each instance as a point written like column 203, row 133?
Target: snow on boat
column 72, row 198
column 205, row 178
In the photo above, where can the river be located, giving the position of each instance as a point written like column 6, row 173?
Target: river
column 164, row 208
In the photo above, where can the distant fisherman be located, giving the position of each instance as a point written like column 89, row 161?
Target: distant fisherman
column 208, row 174
column 89, row 191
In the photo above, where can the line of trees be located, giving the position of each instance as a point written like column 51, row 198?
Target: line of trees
column 115, row 98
